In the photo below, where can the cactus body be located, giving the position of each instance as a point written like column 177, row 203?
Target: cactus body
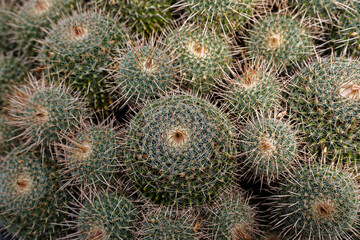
column 80, row 48
column 318, row 202
column 179, row 150
column 325, row 97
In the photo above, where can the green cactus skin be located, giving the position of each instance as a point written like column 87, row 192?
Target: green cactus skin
column 44, row 111
column 254, row 86
column 144, row 70
column 281, row 39
column 91, row 154
column 232, row 218
column 34, row 16
column 179, row 150
column 270, row 146
column 318, row 202
column 7, row 135
column 31, row 206
column 168, row 224
column 80, row 48
column 12, row 73
column 6, row 9
column 141, row 16
column 106, row 216
column 224, row 15
column 324, row 97
column 202, row 56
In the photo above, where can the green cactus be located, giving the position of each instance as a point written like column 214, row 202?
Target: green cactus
column 269, row 145
column 167, row 224
column 6, row 9
column 141, row 16
column 12, row 73
column 106, row 216
column 31, row 18
column 225, row 15
column 179, row 150
column 254, row 86
column 91, row 154
column 318, row 202
column 202, row 56
column 232, row 217
column 44, row 111
column 79, row 48
column 144, row 70
column 31, row 206
column 281, row 39
column 324, row 96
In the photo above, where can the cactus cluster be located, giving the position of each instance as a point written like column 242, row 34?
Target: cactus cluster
column 158, row 119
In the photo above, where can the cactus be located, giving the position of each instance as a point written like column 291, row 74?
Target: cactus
column 31, row 206
column 6, row 9
column 79, row 48
column 107, row 215
column 91, row 154
column 202, row 56
column 232, row 218
column 44, row 111
column 269, row 145
column 12, row 73
column 142, row 16
column 254, row 86
column 318, row 202
column 166, row 223
column 30, row 19
column 144, row 70
column 179, row 150
column 324, row 96
column 281, row 39
column 226, row 16
column 7, row 135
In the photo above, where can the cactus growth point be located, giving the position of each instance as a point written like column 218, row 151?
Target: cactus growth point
column 180, row 150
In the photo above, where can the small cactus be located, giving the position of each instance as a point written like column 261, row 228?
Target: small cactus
column 324, row 97
column 318, row 202
column 44, row 111
column 80, row 48
column 179, row 150
column 31, row 206
column 202, row 54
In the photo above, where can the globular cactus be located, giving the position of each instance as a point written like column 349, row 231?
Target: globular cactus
column 79, row 48
column 324, row 97
column 226, row 15
column 141, row 16
column 32, row 17
column 167, row 223
column 232, row 218
column 44, row 111
column 12, row 73
column 318, row 202
column 91, row 154
column 202, row 56
column 144, row 70
column 180, row 150
column 269, row 144
column 252, row 86
column 31, row 206
column 106, row 215
column 280, row 38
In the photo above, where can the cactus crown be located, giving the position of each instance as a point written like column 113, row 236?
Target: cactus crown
column 143, row 71
column 45, row 111
column 180, row 149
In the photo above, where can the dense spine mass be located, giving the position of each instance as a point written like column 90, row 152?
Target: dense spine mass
column 80, row 48
column 180, row 149
column 325, row 96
